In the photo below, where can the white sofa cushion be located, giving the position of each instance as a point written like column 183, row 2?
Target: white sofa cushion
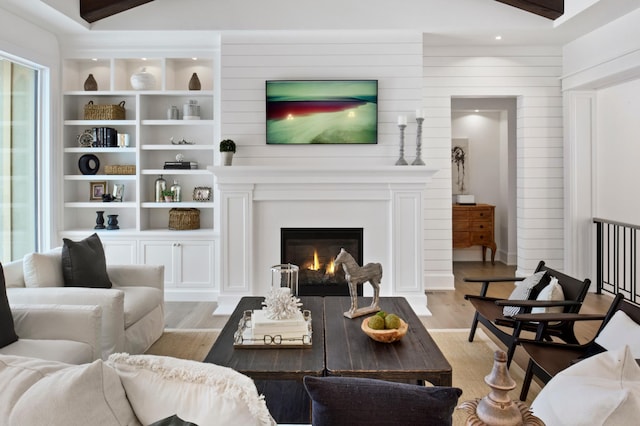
column 67, row 351
column 601, row 390
column 159, row 387
column 43, row 269
column 620, row 331
column 17, row 374
column 87, row 394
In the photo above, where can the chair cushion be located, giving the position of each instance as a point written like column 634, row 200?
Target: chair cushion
column 362, row 401
column 7, row 330
column 551, row 292
column 84, row 263
column 523, row 291
column 43, row 269
column 138, row 302
column 621, row 330
column 201, row 393
column 601, row 390
column 68, row 351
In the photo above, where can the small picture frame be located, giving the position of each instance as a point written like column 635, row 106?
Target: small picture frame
column 98, row 189
column 202, row 193
column 118, row 192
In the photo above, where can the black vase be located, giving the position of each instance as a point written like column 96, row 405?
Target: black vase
column 90, row 84
column 194, row 83
column 112, row 222
column 99, row 220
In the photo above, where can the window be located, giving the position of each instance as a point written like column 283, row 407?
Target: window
column 19, row 176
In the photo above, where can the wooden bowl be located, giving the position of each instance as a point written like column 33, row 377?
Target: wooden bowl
column 385, row 336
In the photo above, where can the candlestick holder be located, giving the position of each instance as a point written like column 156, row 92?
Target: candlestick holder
column 401, row 161
column 418, row 161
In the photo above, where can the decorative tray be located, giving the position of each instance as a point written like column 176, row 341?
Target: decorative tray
column 243, row 337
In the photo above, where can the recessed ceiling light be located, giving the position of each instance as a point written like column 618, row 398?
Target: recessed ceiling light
column 144, row 59
column 477, row 110
column 498, row 37
column 94, row 59
column 195, row 59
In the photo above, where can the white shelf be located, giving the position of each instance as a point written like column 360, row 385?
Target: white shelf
column 178, row 122
column 94, row 150
column 176, row 171
column 171, row 147
column 99, row 177
column 100, row 204
column 184, row 204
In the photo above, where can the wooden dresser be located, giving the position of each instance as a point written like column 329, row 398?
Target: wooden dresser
column 473, row 225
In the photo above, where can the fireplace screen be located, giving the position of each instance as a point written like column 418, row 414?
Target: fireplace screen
column 314, row 250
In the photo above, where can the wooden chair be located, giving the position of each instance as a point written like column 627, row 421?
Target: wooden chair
column 546, row 359
column 489, row 310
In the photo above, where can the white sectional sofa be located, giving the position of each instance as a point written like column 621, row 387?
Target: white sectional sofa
column 132, row 310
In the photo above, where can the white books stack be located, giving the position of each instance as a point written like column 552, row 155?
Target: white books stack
column 295, row 327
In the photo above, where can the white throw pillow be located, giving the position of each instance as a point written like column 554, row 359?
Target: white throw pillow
column 620, row 331
column 202, row 393
column 552, row 291
column 80, row 395
column 522, row 292
column 601, row 390
column 43, row 269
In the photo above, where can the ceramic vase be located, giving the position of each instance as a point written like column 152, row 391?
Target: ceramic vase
column 194, row 83
column 90, row 84
column 143, row 80
column 112, row 222
column 227, row 158
column 99, row 220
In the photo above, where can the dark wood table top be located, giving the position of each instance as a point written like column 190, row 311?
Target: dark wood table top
column 350, row 352
column 277, row 363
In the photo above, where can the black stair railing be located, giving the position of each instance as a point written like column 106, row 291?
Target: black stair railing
column 617, row 258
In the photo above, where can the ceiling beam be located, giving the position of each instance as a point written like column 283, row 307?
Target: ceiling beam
column 94, row 10
column 552, row 9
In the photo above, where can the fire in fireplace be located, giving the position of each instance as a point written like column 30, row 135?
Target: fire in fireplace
column 314, row 251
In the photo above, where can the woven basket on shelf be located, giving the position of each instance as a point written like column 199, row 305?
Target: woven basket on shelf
column 183, row 219
column 120, row 169
column 104, row 112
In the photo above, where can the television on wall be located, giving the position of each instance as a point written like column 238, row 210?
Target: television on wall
column 300, row 112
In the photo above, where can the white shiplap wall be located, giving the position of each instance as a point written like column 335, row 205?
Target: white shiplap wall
column 250, row 58
column 530, row 74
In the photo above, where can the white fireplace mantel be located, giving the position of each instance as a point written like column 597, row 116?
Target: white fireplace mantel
column 256, row 201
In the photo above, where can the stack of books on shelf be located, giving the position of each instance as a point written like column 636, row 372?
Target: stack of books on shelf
column 180, row 165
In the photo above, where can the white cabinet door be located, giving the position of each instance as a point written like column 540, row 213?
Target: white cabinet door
column 196, row 264
column 160, row 253
column 120, row 252
column 187, row 264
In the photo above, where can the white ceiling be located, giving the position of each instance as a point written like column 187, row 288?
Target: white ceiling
column 443, row 22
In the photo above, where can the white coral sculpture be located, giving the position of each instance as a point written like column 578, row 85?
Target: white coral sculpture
column 280, row 304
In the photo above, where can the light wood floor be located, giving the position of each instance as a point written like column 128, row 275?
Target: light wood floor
column 449, row 308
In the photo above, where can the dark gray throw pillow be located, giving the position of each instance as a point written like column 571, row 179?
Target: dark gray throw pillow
column 359, row 401
column 84, row 264
column 7, row 330
column 172, row 421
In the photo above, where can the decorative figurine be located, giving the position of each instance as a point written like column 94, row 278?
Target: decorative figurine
column 280, row 304
column 355, row 275
column 419, row 119
column 194, row 82
column 497, row 408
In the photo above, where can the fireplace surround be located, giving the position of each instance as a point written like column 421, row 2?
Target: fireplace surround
column 256, row 202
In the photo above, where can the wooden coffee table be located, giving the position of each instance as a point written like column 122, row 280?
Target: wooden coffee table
column 350, row 352
column 339, row 348
column 277, row 372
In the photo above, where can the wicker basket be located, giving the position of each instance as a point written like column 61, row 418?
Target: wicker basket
column 120, row 169
column 183, row 219
column 104, row 112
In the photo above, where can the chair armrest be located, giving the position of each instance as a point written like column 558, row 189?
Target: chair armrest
column 79, row 323
column 484, row 298
column 111, row 301
column 137, row 275
column 543, row 343
column 553, row 317
column 536, row 303
column 492, row 279
column 488, row 280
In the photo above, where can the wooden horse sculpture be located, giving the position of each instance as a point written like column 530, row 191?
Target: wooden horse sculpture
column 355, row 275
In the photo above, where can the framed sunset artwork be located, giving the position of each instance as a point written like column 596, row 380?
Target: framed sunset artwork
column 303, row 112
